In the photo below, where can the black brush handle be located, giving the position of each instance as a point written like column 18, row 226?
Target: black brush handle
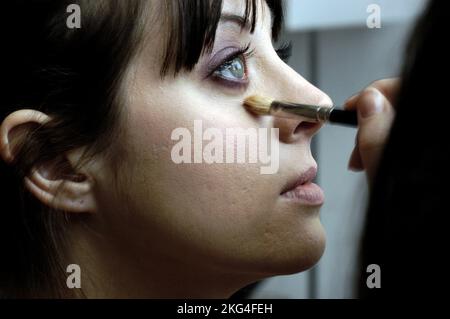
column 344, row 117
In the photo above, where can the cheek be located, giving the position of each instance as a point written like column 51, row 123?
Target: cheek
column 207, row 200
column 227, row 214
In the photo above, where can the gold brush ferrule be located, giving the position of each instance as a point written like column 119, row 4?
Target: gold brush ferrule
column 312, row 113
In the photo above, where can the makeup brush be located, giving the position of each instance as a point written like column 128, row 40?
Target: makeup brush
column 311, row 113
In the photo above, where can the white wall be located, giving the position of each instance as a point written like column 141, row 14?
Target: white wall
column 304, row 15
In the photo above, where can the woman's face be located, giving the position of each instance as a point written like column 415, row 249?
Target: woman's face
column 226, row 217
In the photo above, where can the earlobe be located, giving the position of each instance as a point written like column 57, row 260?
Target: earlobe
column 69, row 196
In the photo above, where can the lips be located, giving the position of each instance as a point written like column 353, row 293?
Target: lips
column 306, row 177
column 302, row 190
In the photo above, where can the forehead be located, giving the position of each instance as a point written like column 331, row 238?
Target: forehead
column 162, row 39
column 234, row 6
column 263, row 14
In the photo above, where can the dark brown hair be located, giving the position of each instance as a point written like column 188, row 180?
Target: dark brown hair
column 405, row 234
column 75, row 76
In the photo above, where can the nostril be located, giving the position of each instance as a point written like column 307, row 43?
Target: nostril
column 307, row 127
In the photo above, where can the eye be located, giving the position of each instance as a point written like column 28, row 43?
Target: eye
column 233, row 69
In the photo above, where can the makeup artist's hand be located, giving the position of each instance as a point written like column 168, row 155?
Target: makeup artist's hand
column 375, row 116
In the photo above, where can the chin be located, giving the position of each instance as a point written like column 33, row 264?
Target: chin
column 298, row 256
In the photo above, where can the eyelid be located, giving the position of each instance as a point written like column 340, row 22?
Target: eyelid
column 234, row 53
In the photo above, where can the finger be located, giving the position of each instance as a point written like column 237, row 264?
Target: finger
column 375, row 116
column 355, row 163
column 373, row 107
column 388, row 87
column 351, row 102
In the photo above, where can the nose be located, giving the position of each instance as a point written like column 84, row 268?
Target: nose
column 292, row 87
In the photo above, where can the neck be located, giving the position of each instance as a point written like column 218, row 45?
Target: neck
column 110, row 270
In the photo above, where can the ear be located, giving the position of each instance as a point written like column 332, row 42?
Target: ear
column 55, row 183
column 13, row 128
column 71, row 194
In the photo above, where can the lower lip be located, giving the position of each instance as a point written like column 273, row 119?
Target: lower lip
column 307, row 194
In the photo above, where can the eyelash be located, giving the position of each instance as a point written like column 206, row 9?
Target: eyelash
column 284, row 51
column 245, row 52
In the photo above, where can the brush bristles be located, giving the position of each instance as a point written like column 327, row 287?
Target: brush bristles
column 258, row 104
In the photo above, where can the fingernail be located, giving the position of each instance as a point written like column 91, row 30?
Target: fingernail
column 351, row 98
column 373, row 104
column 354, row 169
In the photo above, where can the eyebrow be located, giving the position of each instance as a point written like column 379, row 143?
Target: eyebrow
column 239, row 20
